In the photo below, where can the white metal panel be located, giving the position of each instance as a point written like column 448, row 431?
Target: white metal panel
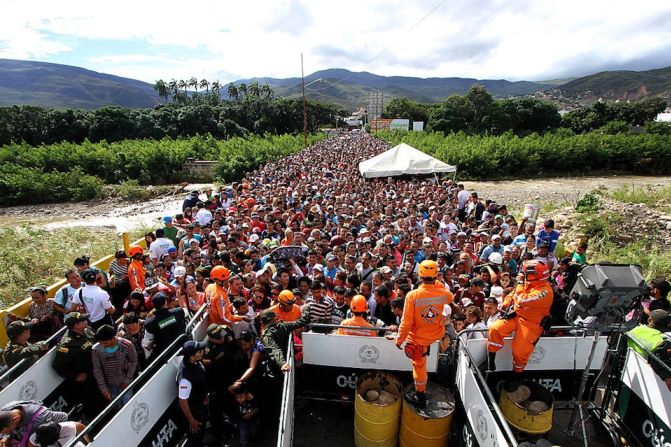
column 480, row 418
column 36, row 383
column 551, row 353
column 285, row 436
column 132, row 423
column 640, row 377
column 352, row 351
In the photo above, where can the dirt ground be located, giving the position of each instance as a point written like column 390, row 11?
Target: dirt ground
column 123, row 215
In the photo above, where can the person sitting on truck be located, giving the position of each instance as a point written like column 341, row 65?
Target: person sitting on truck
column 359, row 308
column 655, row 338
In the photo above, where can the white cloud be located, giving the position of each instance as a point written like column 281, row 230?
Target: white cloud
column 523, row 39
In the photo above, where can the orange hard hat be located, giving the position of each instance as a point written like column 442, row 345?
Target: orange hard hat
column 428, row 269
column 287, row 297
column 359, row 304
column 220, row 273
column 135, row 250
column 535, row 270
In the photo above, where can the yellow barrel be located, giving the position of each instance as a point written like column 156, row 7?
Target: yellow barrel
column 376, row 425
column 429, row 426
column 523, row 417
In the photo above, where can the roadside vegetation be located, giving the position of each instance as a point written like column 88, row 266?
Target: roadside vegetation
column 485, row 157
column 64, row 172
column 31, row 255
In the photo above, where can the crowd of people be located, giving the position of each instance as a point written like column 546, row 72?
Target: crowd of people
column 304, row 239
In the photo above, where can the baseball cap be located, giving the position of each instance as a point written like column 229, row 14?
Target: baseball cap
column 267, row 316
column 217, row 331
column 159, row 299
column 660, row 318
column 167, row 219
column 17, row 328
column 189, row 348
column 319, row 267
column 172, row 249
column 75, row 317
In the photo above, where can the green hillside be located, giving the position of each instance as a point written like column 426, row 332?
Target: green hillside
column 622, row 84
column 63, row 86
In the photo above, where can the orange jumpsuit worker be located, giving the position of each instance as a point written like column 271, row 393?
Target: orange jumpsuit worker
column 136, row 270
column 527, row 306
column 422, row 324
column 286, row 310
column 359, row 307
column 220, row 306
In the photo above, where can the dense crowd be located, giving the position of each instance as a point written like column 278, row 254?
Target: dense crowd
column 302, row 240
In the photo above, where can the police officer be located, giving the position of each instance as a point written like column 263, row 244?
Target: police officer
column 18, row 347
column 192, row 391
column 73, row 362
column 217, row 358
column 163, row 328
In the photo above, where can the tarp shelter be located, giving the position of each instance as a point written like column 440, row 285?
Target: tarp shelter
column 401, row 160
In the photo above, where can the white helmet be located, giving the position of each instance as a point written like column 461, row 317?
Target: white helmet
column 496, row 258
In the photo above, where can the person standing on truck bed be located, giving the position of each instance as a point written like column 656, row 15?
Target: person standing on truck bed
column 422, row 324
column 192, row 392
column 162, row 329
column 73, row 362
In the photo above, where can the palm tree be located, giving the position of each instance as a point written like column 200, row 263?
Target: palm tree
column 183, row 84
column 254, row 89
column 162, row 89
column 205, row 84
column 242, row 90
column 173, row 86
column 216, row 87
column 233, row 91
column 266, row 91
column 193, row 83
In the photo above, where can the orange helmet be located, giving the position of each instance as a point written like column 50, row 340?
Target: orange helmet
column 287, row 297
column 220, row 273
column 359, row 304
column 428, row 269
column 135, row 250
column 535, row 270
column 251, row 202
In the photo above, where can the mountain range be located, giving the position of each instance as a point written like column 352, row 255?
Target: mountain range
column 64, row 86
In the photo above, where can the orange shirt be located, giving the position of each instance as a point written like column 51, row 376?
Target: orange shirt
column 422, row 322
column 356, row 322
column 136, row 275
column 531, row 300
column 288, row 317
column 220, row 307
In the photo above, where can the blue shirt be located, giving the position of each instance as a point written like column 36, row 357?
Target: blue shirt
column 551, row 238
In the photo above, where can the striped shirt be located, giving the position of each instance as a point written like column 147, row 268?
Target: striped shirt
column 114, row 368
column 120, row 272
column 321, row 311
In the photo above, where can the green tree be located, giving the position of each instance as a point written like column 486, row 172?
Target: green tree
column 162, row 89
column 233, row 91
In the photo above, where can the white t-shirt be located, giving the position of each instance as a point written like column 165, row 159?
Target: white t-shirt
column 96, row 301
column 204, row 216
column 65, row 299
column 463, row 198
column 160, row 247
column 445, row 229
column 68, row 433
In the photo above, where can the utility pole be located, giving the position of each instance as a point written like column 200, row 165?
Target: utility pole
column 305, row 108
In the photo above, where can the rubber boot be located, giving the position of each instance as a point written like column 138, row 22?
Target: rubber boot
column 491, row 361
column 418, row 398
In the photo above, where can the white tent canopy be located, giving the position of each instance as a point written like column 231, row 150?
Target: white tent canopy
column 400, row 160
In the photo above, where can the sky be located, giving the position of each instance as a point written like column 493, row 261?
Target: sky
column 229, row 40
